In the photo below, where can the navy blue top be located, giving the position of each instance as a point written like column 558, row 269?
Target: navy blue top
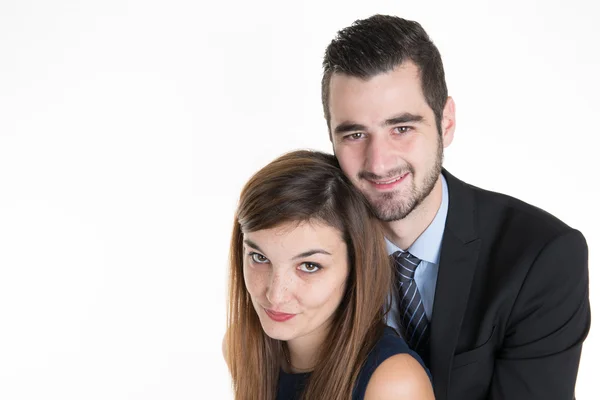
column 290, row 386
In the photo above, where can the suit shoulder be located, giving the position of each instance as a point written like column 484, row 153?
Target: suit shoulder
column 516, row 215
column 498, row 212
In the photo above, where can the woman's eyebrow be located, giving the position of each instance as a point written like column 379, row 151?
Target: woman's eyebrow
column 311, row 252
column 253, row 245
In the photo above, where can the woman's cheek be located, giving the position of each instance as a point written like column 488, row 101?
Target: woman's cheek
column 254, row 280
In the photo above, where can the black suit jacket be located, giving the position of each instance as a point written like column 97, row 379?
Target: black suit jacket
column 511, row 307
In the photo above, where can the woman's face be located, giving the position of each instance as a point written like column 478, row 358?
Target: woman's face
column 296, row 276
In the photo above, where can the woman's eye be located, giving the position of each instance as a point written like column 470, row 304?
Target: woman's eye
column 309, row 267
column 259, row 258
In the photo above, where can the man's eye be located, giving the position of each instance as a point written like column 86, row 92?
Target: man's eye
column 402, row 129
column 355, row 136
column 259, row 258
column 309, row 267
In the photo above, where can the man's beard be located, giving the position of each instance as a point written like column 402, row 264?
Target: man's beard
column 387, row 207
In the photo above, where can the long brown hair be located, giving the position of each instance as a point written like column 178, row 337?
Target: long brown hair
column 297, row 187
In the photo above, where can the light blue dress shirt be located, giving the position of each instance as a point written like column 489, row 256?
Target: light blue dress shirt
column 427, row 248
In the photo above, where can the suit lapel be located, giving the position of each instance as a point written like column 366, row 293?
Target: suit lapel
column 458, row 260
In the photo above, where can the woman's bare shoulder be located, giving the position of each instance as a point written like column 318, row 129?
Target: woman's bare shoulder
column 399, row 377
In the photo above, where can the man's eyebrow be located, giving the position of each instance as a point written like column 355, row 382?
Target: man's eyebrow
column 345, row 127
column 402, row 119
column 253, row 245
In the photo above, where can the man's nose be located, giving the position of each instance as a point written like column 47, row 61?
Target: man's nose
column 377, row 155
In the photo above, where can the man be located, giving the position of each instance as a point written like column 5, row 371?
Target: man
column 497, row 301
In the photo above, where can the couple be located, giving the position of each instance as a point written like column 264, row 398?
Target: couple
column 489, row 295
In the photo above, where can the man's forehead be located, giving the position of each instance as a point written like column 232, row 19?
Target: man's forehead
column 406, row 70
column 355, row 100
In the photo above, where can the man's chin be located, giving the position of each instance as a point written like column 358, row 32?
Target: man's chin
column 390, row 212
column 389, row 217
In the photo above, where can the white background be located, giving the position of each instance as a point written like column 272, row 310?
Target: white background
column 127, row 129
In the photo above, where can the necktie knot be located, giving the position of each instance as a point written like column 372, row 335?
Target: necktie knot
column 406, row 265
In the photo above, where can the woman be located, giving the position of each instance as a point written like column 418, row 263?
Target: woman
column 309, row 281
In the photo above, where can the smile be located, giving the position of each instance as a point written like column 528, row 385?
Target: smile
column 279, row 317
column 388, row 184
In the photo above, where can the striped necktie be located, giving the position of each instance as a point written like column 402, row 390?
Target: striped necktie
column 412, row 320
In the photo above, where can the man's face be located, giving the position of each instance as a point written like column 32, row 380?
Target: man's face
column 386, row 140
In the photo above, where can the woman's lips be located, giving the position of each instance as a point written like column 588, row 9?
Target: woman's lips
column 277, row 316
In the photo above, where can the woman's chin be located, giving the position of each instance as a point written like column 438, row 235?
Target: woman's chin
column 276, row 332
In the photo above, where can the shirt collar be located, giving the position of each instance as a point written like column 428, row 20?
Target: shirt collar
column 428, row 245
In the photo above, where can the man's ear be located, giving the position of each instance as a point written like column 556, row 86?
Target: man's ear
column 448, row 122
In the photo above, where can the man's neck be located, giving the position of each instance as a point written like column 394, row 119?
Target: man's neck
column 404, row 232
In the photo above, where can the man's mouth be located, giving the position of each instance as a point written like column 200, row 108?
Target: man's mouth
column 387, row 183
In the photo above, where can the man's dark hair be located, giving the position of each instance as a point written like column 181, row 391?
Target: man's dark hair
column 378, row 44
